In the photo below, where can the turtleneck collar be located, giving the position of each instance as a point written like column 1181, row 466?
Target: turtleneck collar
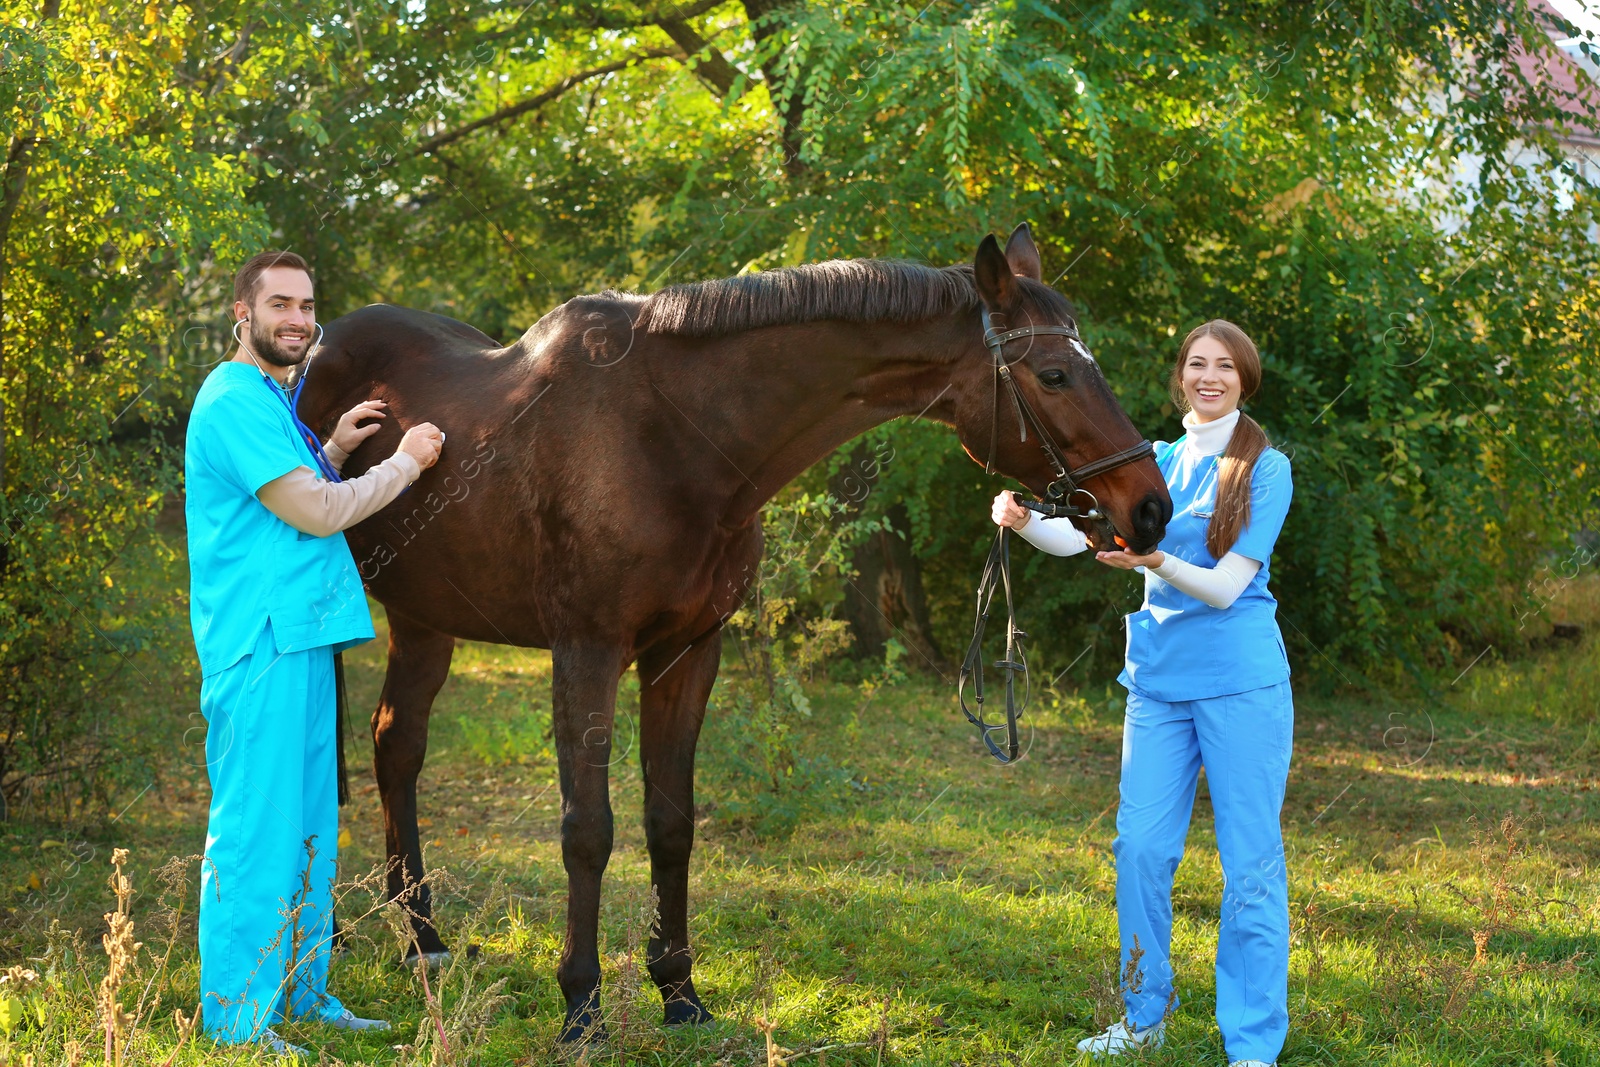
column 1209, row 438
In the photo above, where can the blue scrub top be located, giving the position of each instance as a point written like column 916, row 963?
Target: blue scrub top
column 246, row 565
column 1180, row 648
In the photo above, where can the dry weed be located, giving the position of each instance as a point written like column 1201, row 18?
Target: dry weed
column 122, row 951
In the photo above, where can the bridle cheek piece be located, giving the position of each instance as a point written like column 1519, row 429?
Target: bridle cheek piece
column 1058, row 503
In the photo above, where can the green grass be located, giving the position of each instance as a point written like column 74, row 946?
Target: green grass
column 906, row 896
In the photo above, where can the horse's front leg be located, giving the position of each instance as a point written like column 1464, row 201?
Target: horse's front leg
column 583, row 707
column 674, row 684
column 419, row 663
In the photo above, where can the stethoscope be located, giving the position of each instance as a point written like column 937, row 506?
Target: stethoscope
column 292, row 400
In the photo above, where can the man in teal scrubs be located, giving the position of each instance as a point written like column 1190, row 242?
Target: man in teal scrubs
column 269, row 606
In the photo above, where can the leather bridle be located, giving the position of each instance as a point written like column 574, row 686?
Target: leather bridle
column 1057, row 503
column 1059, row 493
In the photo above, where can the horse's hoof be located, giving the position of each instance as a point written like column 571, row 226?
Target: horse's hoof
column 684, row 1011
column 683, row 1004
column 583, row 1023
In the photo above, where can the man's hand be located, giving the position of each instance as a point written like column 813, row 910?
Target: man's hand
column 423, row 443
column 347, row 435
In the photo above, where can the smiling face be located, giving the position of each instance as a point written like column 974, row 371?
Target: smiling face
column 1210, row 379
column 283, row 320
column 1218, row 369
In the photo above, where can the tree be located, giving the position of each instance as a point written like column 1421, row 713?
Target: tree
column 108, row 211
column 1286, row 168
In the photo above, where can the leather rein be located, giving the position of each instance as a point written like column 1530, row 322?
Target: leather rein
column 1058, row 502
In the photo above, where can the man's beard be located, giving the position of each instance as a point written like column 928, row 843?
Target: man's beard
column 267, row 347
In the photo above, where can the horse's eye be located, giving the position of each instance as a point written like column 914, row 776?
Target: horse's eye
column 1053, row 379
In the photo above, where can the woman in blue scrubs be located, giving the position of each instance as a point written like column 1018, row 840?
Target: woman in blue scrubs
column 1208, row 686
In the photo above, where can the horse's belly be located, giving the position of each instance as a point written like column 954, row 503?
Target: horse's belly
column 427, row 580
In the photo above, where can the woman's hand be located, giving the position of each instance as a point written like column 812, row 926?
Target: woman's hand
column 1127, row 561
column 1007, row 512
column 347, row 435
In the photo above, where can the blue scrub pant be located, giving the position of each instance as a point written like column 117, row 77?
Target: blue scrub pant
column 265, row 900
column 1243, row 740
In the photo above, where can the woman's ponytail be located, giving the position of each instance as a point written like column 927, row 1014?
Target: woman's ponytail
column 1234, row 470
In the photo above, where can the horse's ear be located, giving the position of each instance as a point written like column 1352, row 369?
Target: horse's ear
column 1023, row 254
column 995, row 280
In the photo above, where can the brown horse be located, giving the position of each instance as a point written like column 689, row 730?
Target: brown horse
column 600, row 494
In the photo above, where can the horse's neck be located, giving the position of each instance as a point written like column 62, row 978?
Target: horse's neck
column 792, row 395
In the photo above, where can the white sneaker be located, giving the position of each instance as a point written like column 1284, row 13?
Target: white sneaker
column 1120, row 1038
column 349, row 1021
column 270, row 1038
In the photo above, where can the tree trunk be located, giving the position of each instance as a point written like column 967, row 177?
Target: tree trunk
column 793, row 114
column 12, row 181
column 886, row 599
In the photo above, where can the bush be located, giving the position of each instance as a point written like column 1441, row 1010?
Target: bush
column 107, row 224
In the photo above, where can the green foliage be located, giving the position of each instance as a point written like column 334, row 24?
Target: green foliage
column 115, row 214
column 1425, row 367
column 1287, row 169
column 779, row 649
column 1430, row 366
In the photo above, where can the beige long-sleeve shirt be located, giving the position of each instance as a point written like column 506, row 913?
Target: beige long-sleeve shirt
column 322, row 508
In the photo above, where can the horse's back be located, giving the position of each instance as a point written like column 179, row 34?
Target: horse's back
column 385, row 333
column 417, row 358
column 545, row 435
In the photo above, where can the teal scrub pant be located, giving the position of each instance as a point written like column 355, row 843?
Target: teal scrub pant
column 1243, row 740
column 266, row 906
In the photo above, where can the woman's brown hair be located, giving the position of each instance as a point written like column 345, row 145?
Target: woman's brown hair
column 1232, row 511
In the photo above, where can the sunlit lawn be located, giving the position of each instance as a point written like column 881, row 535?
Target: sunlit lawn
column 904, row 899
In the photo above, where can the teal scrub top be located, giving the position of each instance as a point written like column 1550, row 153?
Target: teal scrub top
column 1181, row 648
column 246, row 565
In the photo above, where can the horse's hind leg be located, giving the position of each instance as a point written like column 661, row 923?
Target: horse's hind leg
column 419, row 663
column 583, row 702
column 673, row 687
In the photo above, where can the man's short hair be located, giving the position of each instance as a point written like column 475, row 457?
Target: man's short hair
column 247, row 283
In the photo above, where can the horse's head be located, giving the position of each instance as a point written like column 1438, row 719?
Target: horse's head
column 1062, row 386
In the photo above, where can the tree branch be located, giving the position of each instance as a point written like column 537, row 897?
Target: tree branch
column 228, row 61
column 709, row 64
column 762, row 28
column 12, row 181
column 671, row 12
column 538, row 100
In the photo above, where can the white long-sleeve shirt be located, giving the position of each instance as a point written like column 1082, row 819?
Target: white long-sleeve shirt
column 1217, row 586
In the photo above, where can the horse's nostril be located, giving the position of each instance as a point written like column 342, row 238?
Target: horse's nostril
column 1149, row 517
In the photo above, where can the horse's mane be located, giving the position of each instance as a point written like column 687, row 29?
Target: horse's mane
column 849, row 290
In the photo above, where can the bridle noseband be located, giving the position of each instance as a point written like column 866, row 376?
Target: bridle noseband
column 1057, row 503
